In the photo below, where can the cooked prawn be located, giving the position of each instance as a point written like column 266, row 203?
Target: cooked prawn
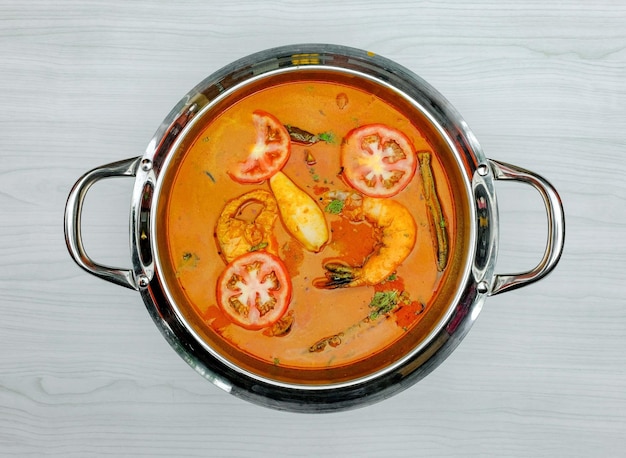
column 237, row 235
column 395, row 231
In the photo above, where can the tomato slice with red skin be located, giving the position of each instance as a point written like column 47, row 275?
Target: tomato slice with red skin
column 378, row 160
column 254, row 290
column 268, row 155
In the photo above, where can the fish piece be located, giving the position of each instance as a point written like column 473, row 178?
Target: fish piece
column 237, row 235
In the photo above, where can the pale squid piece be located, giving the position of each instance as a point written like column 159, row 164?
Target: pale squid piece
column 301, row 215
column 396, row 233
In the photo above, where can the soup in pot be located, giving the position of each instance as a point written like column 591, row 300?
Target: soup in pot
column 311, row 230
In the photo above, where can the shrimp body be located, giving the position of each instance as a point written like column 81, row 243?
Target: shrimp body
column 395, row 231
column 237, row 235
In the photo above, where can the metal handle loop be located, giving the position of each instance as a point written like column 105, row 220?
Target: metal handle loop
column 556, row 227
column 73, row 212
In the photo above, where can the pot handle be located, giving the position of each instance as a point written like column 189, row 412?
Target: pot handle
column 73, row 212
column 556, row 227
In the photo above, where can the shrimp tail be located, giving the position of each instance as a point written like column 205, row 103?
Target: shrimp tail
column 338, row 275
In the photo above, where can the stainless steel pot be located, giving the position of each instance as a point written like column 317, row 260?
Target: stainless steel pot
column 475, row 278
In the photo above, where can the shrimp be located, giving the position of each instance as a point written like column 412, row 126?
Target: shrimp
column 237, row 235
column 395, row 231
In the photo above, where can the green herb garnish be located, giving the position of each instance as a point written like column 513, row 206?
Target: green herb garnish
column 190, row 260
column 383, row 302
column 327, row 137
column 258, row 247
column 207, row 173
column 334, row 207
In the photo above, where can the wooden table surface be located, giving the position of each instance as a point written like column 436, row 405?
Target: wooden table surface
column 83, row 369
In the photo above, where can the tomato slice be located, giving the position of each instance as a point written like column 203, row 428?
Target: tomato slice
column 269, row 153
column 378, row 160
column 254, row 290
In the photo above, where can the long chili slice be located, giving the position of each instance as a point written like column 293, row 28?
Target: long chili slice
column 437, row 221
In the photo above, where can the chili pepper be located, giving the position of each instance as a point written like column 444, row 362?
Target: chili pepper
column 437, row 220
column 301, row 136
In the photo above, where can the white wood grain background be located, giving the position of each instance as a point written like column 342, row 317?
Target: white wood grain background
column 83, row 370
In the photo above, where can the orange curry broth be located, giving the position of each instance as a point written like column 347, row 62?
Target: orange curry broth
column 201, row 188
